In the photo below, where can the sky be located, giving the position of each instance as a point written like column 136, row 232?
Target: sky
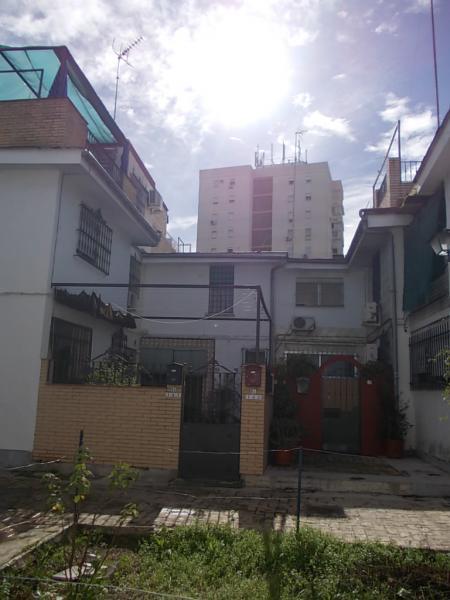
column 212, row 80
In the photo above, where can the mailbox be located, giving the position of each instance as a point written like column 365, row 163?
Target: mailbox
column 253, row 375
column 174, row 374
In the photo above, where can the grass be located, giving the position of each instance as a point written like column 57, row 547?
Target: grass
column 219, row 563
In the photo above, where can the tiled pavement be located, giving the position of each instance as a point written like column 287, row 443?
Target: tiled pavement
column 406, row 521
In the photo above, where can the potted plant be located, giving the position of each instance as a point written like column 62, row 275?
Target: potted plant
column 397, row 426
column 285, row 434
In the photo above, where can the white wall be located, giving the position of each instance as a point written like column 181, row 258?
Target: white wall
column 432, row 423
column 28, row 214
column 231, row 336
column 70, row 268
column 333, row 319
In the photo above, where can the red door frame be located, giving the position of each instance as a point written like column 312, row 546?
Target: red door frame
column 310, row 410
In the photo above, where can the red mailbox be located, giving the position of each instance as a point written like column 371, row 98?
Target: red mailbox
column 253, row 375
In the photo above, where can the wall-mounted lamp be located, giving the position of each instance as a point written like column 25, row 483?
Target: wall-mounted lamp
column 441, row 243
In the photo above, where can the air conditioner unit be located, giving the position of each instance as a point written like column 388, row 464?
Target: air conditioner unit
column 371, row 313
column 372, row 352
column 303, row 324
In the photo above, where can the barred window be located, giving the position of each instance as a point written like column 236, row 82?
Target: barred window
column 221, row 299
column 320, row 293
column 70, row 347
column 427, row 347
column 94, row 239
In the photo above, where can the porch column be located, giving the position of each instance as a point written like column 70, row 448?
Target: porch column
column 255, row 421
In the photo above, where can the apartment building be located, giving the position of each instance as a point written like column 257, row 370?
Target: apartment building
column 292, row 207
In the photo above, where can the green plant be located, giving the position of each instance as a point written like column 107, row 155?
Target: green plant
column 66, row 501
column 285, row 433
column 397, row 424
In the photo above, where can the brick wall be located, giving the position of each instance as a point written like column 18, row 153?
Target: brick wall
column 47, row 122
column 137, row 425
column 397, row 190
column 255, row 421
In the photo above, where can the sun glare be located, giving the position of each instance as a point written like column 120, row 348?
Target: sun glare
column 237, row 66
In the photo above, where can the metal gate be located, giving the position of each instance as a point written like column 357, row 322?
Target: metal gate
column 210, row 430
column 340, row 397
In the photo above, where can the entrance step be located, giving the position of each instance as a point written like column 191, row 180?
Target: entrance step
column 414, row 478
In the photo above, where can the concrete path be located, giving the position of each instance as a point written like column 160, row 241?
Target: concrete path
column 411, row 521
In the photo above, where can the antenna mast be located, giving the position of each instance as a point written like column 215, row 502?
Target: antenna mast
column 436, row 84
column 122, row 54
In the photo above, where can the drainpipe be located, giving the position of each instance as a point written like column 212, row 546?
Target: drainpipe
column 272, row 310
column 395, row 321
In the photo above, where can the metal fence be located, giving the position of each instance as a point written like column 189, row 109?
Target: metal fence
column 427, row 351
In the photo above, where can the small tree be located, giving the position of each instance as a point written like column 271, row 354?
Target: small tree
column 66, row 501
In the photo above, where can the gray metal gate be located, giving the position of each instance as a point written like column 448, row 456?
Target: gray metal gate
column 210, row 430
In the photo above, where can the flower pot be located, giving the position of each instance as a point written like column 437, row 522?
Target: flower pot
column 394, row 448
column 283, row 458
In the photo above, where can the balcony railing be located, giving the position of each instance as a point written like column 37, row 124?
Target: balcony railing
column 105, row 156
column 408, row 170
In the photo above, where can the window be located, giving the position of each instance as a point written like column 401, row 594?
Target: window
column 308, row 197
column 94, row 239
column 221, row 292
column 307, row 213
column 134, row 281
column 230, row 232
column 231, row 200
column 70, row 347
column 291, row 182
column 262, row 220
column 320, row 293
column 231, row 184
column 334, row 251
column 308, row 233
column 214, row 234
column 427, row 354
column 215, row 201
column 308, row 180
column 307, row 251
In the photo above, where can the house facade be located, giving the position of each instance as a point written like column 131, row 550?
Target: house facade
column 72, row 212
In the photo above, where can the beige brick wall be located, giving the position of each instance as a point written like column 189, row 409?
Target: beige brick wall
column 137, row 425
column 46, row 122
column 255, row 420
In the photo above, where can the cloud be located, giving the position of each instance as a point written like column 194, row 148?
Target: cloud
column 417, row 127
column 344, row 38
column 183, row 223
column 236, row 139
column 343, row 14
column 418, row 6
column 320, row 124
column 357, row 195
column 303, row 100
column 339, row 76
column 302, row 37
column 386, row 28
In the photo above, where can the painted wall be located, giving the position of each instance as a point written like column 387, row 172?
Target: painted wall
column 69, row 267
column 28, row 215
column 231, row 336
column 432, row 423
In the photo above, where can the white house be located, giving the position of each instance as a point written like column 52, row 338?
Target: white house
column 71, row 212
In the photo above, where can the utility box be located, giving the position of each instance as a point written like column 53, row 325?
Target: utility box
column 253, row 375
column 174, row 374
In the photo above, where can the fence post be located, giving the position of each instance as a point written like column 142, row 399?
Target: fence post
column 299, row 486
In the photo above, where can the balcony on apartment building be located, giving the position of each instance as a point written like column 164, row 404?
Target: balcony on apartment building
column 46, row 101
column 396, row 183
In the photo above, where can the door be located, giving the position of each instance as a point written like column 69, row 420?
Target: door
column 210, row 431
column 340, row 397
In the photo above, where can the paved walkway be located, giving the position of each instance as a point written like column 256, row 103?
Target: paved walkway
column 407, row 521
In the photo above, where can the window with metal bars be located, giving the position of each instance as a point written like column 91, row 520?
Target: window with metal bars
column 427, row 348
column 221, row 292
column 94, row 239
column 70, row 346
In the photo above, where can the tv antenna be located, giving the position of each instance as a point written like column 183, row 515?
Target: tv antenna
column 122, row 54
column 298, row 145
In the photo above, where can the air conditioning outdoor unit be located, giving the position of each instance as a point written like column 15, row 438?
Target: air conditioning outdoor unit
column 371, row 313
column 303, row 324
